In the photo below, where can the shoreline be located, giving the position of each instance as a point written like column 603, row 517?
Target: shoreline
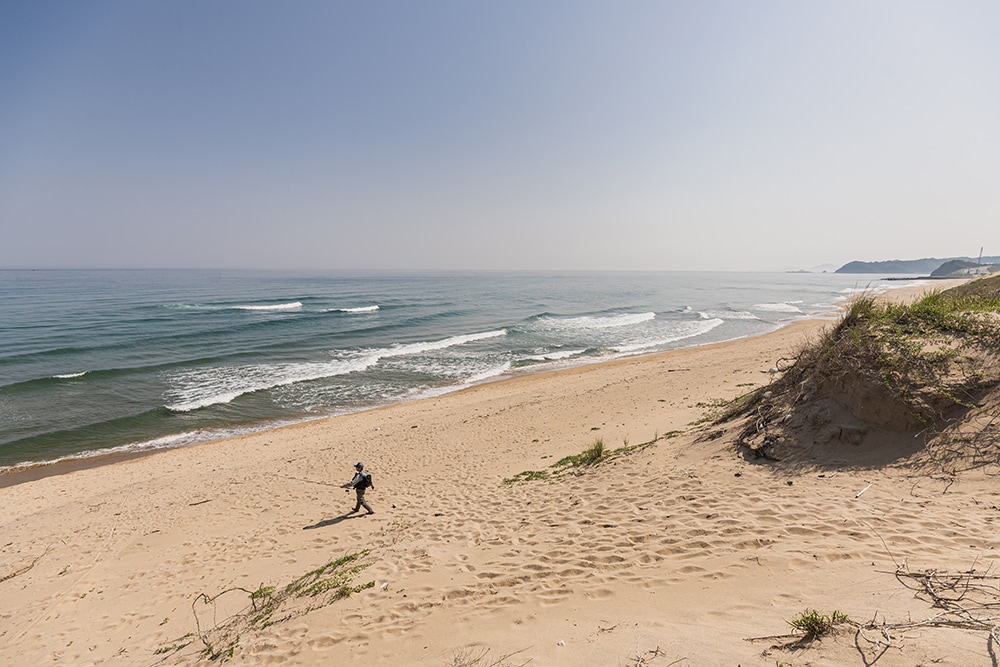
column 35, row 470
column 32, row 470
column 680, row 548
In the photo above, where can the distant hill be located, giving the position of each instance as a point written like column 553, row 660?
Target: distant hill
column 961, row 267
column 922, row 267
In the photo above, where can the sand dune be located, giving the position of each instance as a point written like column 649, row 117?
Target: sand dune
column 678, row 553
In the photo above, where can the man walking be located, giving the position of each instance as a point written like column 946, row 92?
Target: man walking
column 362, row 482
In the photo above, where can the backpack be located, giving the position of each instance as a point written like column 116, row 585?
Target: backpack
column 366, row 481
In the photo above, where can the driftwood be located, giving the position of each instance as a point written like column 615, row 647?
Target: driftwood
column 968, row 600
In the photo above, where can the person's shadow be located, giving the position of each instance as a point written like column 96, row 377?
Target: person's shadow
column 332, row 522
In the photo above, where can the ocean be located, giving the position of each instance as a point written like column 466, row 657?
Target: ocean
column 95, row 362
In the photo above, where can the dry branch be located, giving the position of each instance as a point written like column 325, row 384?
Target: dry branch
column 24, row 569
column 968, row 600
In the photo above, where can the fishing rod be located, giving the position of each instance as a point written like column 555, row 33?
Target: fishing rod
column 310, row 481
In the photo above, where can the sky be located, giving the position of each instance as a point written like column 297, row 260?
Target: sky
column 515, row 134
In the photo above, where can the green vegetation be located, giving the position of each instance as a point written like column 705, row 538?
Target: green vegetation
column 588, row 457
column 595, row 454
column 917, row 363
column 814, row 625
column 268, row 605
column 529, row 476
column 928, row 354
column 714, row 409
column 171, row 648
column 329, row 577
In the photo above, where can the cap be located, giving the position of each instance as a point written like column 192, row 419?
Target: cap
column 359, row 464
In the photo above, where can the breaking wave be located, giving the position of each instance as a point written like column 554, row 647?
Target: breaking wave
column 201, row 387
column 362, row 309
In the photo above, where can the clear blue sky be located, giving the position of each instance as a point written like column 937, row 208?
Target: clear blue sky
column 517, row 134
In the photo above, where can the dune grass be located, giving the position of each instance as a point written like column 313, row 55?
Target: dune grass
column 268, row 605
column 814, row 624
column 927, row 358
column 596, row 454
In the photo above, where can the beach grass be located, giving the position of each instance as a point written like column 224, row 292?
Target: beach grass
column 479, row 656
column 917, row 363
column 588, row 457
column 268, row 605
column 814, row 624
column 593, row 455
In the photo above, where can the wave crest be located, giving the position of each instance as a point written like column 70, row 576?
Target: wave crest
column 556, row 355
column 362, row 309
column 777, row 307
column 681, row 331
column 595, row 321
column 201, row 387
column 293, row 305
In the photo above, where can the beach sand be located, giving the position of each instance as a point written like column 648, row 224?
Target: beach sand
column 678, row 553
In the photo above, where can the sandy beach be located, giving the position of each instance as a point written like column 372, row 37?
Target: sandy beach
column 677, row 553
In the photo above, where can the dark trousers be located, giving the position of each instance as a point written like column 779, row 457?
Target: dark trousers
column 361, row 501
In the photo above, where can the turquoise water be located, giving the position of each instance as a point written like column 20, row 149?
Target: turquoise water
column 92, row 361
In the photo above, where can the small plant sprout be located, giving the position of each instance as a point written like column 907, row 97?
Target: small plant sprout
column 814, row 625
column 592, row 456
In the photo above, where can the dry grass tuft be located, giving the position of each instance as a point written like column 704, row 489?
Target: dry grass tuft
column 931, row 367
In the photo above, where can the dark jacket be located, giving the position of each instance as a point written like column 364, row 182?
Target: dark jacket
column 362, row 480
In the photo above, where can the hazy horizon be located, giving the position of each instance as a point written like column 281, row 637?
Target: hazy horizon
column 578, row 135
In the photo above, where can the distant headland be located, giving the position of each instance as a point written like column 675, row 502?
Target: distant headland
column 932, row 267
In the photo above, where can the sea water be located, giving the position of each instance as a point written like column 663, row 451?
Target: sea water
column 100, row 361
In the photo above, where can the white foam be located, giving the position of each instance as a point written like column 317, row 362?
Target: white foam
column 683, row 330
column 362, row 309
column 416, row 348
column 735, row 315
column 598, row 322
column 777, row 307
column 849, row 292
column 68, row 376
column 166, row 442
column 488, row 373
column 556, row 356
column 294, row 305
column 417, row 393
column 202, row 387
